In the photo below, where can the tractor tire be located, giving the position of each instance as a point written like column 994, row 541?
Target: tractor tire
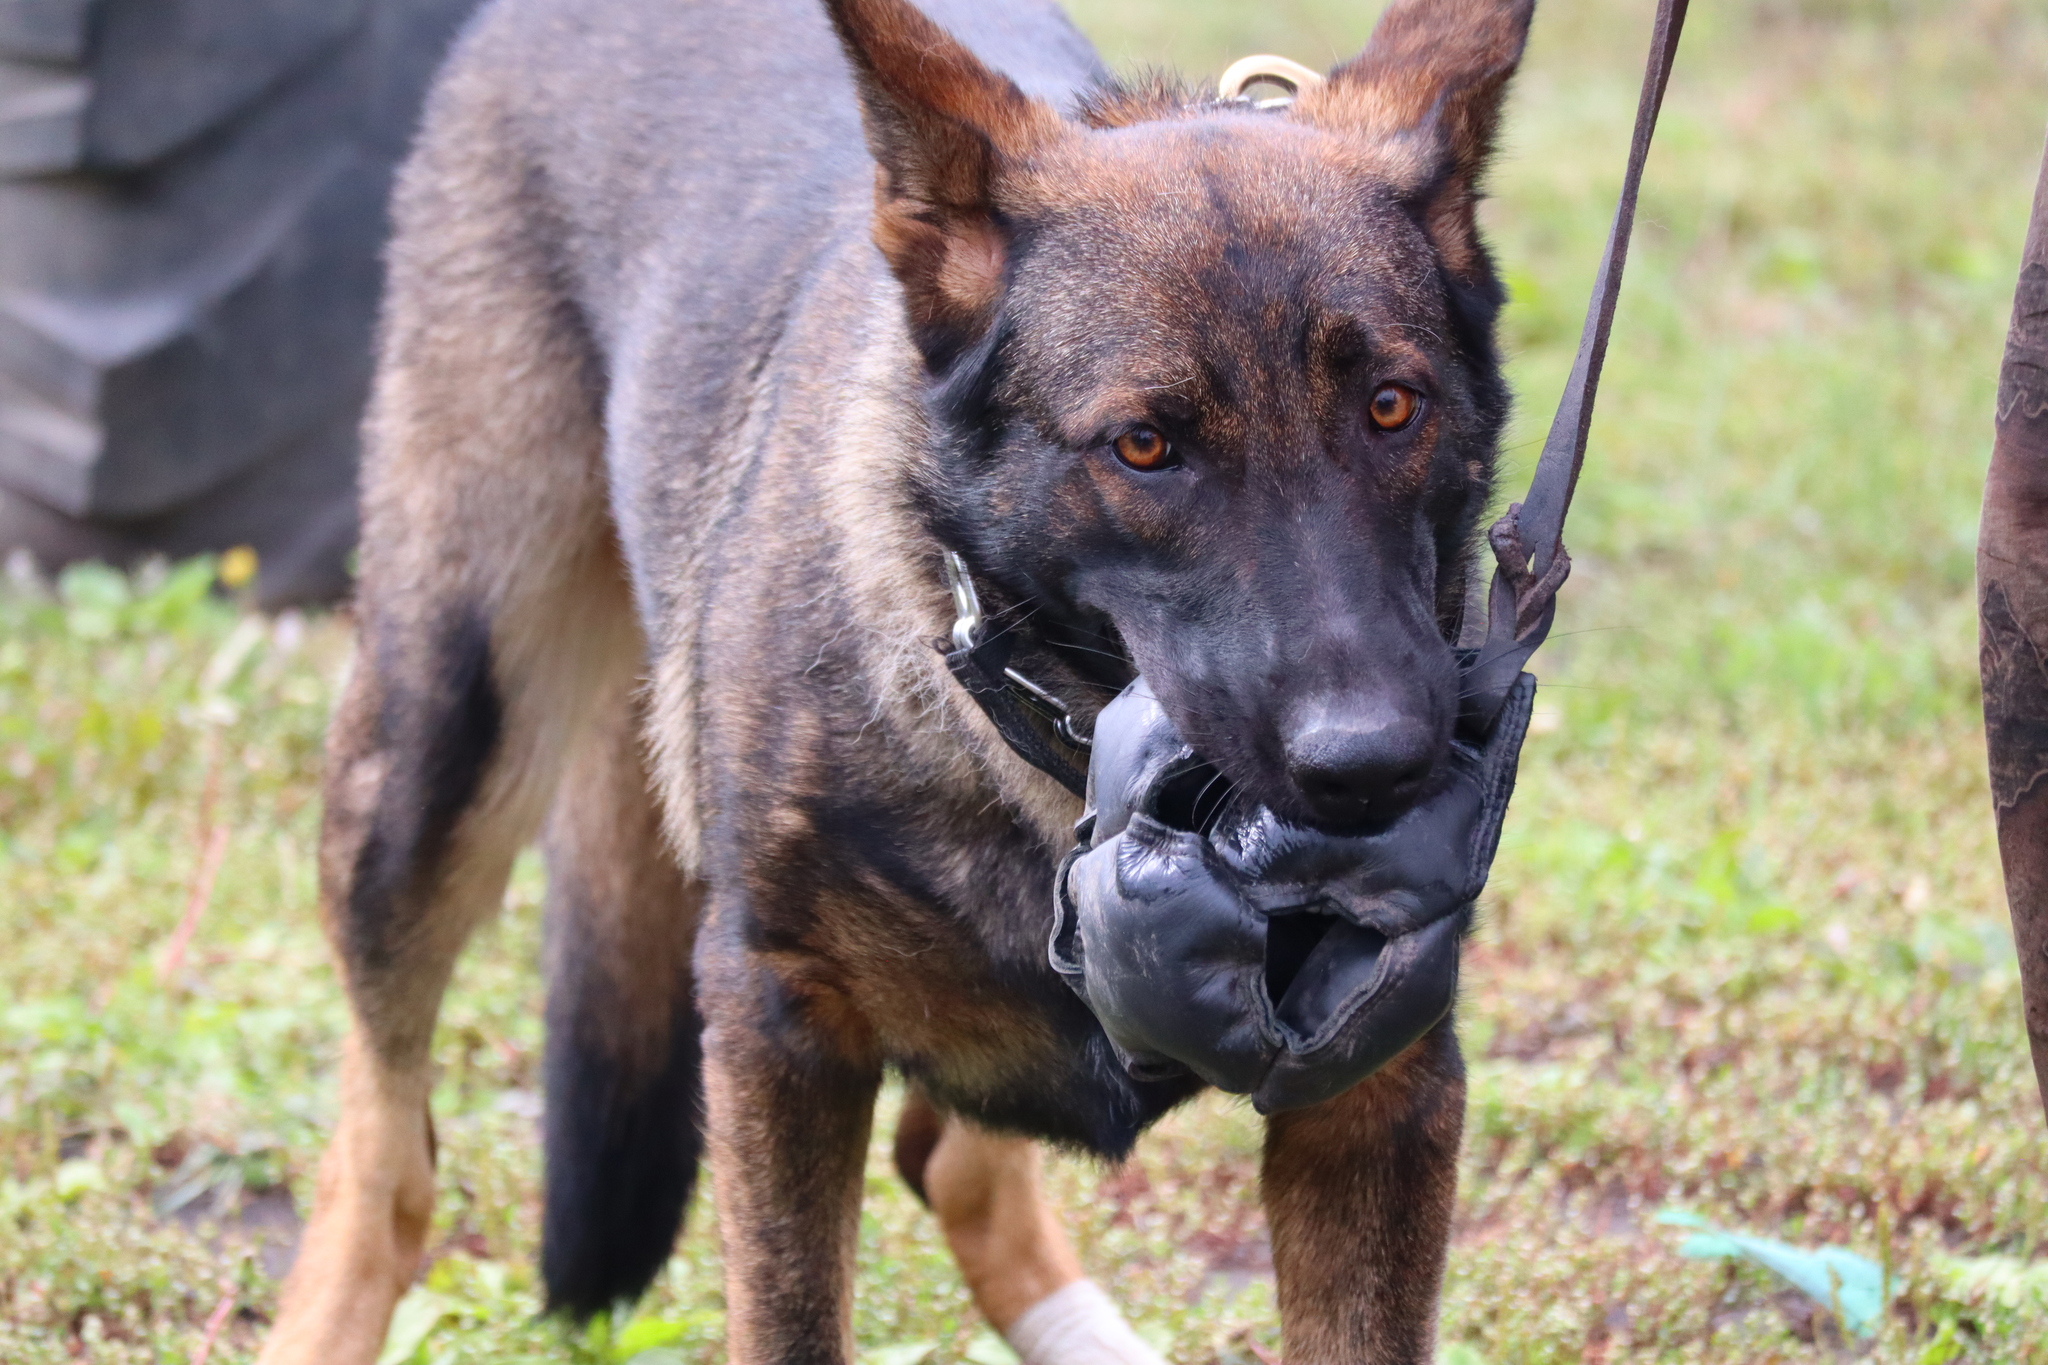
column 192, row 210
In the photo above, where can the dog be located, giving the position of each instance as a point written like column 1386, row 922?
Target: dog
column 710, row 330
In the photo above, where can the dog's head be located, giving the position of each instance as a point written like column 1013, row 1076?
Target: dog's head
column 1217, row 382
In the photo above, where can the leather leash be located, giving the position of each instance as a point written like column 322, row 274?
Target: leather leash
column 1528, row 541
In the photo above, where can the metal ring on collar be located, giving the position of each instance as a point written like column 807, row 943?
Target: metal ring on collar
column 1291, row 76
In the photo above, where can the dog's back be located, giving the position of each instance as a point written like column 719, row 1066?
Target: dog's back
column 690, row 160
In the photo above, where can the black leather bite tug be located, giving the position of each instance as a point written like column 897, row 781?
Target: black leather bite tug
column 1270, row 959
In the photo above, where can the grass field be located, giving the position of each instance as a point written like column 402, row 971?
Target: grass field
column 1744, row 954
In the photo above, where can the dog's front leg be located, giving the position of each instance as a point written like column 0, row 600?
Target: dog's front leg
column 789, row 1083
column 1359, row 1193
column 987, row 1191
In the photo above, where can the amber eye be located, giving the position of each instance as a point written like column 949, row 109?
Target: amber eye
column 1393, row 407
column 1144, row 448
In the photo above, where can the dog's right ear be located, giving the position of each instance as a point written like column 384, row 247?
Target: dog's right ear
column 1428, row 91
column 941, row 126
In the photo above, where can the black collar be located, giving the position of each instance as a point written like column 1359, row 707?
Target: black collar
column 1031, row 720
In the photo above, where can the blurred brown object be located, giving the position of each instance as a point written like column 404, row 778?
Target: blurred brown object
column 2012, row 604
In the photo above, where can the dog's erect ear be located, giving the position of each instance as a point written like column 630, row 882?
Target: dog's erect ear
column 1429, row 87
column 942, row 126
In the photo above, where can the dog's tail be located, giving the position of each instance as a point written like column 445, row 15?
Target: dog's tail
column 622, row 1153
column 624, row 1124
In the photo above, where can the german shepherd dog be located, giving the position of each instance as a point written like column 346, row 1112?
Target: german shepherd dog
column 711, row 327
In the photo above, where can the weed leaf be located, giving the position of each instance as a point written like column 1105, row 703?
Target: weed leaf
column 412, row 1322
column 904, row 1353
column 988, row 1349
column 1834, row 1277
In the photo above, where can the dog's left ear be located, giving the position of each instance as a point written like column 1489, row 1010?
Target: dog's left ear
column 942, row 127
column 1428, row 91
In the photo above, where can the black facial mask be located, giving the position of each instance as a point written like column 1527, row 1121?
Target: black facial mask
column 1270, row 959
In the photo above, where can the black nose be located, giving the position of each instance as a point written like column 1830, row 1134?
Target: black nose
column 1353, row 771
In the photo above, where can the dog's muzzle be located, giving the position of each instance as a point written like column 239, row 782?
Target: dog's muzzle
column 1270, row 959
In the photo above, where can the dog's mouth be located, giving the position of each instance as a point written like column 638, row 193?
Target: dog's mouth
column 1193, row 797
column 1198, row 797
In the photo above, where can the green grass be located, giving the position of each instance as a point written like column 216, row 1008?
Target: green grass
column 1744, row 952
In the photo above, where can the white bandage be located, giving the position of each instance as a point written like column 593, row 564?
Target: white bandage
column 1077, row 1325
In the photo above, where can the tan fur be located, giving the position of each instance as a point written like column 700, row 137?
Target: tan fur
column 957, row 122
column 1436, row 66
column 901, row 599
column 371, row 1209
column 989, row 1196
column 1424, row 53
column 481, row 409
column 1359, row 1192
column 793, row 1265
column 610, row 863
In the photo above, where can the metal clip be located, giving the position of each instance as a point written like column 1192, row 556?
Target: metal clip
column 966, row 603
column 967, row 624
column 1061, row 717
